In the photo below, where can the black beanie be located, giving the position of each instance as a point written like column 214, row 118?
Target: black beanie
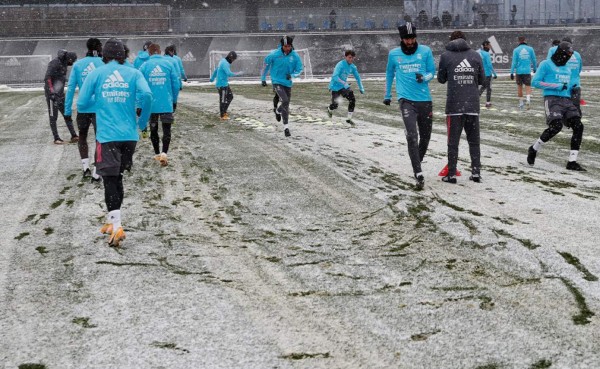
column 567, row 39
column 231, row 56
column 562, row 54
column 93, row 44
column 407, row 30
column 113, row 49
column 287, row 40
column 146, row 44
column 70, row 57
column 170, row 50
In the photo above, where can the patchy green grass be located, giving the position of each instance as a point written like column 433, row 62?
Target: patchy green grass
column 585, row 314
column 84, row 322
column 305, row 355
column 587, row 275
column 22, row 235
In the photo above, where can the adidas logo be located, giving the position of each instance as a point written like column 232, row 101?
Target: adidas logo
column 12, row 62
column 464, row 66
column 524, row 54
column 157, row 72
column 494, row 45
column 189, row 57
column 115, row 80
column 88, row 69
column 496, row 51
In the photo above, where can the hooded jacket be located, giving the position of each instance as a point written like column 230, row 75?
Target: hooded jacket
column 140, row 59
column 112, row 91
column 282, row 67
column 79, row 72
column 163, row 78
column 56, row 74
column 462, row 68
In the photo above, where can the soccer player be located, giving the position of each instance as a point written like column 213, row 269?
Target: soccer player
column 111, row 91
column 283, row 64
column 413, row 67
column 54, row 89
column 171, row 51
column 340, row 87
column 84, row 119
column 163, row 78
column 222, row 74
column 575, row 63
column 555, row 77
column 142, row 56
column 523, row 61
column 484, row 52
column 462, row 68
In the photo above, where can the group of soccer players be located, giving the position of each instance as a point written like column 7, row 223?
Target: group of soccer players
column 118, row 98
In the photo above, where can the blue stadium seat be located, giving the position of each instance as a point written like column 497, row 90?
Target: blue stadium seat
column 303, row 25
column 385, row 24
column 325, row 24
column 279, row 26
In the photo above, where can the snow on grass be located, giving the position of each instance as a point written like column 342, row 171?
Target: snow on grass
column 252, row 250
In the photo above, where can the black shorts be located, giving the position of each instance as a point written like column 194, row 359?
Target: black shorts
column 524, row 79
column 164, row 117
column 113, row 158
column 559, row 108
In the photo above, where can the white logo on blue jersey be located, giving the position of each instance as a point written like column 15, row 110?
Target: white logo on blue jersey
column 115, row 80
column 524, row 54
column 88, row 70
column 157, row 72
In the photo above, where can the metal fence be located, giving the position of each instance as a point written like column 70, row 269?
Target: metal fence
column 132, row 19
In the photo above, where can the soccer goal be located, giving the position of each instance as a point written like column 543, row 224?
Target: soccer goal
column 23, row 69
column 252, row 62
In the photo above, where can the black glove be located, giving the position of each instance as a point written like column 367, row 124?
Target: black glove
column 288, row 77
column 495, row 77
column 174, row 107
column 138, row 112
column 52, row 96
column 263, row 83
column 419, row 78
column 387, row 102
column 68, row 119
column 185, row 80
column 564, row 87
column 512, row 76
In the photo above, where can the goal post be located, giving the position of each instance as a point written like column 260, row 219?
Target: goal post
column 23, row 69
column 251, row 62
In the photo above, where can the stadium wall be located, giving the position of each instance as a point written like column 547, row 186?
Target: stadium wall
column 326, row 49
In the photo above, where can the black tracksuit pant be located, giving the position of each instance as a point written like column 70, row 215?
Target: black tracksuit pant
column 455, row 124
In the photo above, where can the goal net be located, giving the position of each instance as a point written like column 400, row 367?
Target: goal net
column 252, row 62
column 23, row 69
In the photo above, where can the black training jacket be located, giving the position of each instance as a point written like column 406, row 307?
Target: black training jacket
column 462, row 68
